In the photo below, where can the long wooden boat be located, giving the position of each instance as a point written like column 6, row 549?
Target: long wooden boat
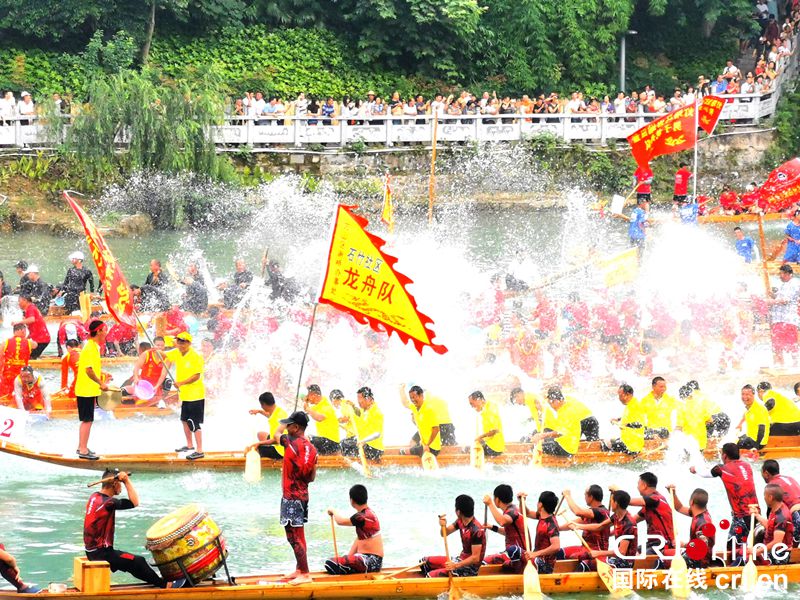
column 743, row 218
column 516, row 454
column 490, row 582
column 54, row 362
column 64, row 407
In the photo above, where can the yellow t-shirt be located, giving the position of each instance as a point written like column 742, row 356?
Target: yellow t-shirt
column 784, row 411
column 757, row 415
column 90, row 358
column 369, row 423
column 426, row 421
column 661, row 414
column 346, row 410
column 566, row 423
column 578, row 408
column 633, row 438
column 530, row 402
column 710, row 407
column 490, row 419
column 692, row 418
column 329, row 426
column 440, row 409
column 187, row 365
column 274, row 422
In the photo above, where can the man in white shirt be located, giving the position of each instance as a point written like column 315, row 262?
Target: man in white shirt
column 783, row 315
column 7, row 106
column 731, row 71
column 26, row 107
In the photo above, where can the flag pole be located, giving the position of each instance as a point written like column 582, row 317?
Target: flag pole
column 432, row 178
column 696, row 143
column 305, row 353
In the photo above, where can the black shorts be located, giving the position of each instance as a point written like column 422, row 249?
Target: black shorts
column 86, row 408
column 192, row 413
column 640, row 197
column 325, row 446
column 269, row 451
column 677, row 198
column 40, row 347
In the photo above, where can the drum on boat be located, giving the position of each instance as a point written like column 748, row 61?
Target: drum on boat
column 187, row 542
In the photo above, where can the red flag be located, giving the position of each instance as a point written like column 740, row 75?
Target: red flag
column 710, row 110
column 674, row 132
column 117, row 292
column 780, row 191
column 361, row 280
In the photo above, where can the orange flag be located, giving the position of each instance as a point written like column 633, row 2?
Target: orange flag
column 387, row 216
column 674, row 132
column 117, row 292
column 361, row 280
column 710, row 110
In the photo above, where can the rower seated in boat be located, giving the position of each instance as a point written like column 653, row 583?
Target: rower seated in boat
column 322, row 412
column 69, row 364
column 661, row 410
column 366, row 553
column 547, row 541
column 692, row 418
column 30, row 393
column 428, row 437
column 473, row 542
column 720, row 422
column 9, row 570
column 274, row 414
column 562, row 429
column 441, row 412
column 533, row 402
column 756, row 421
column 626, row 535
column 631, row 424
column 594, row 512
column 698, row 530
column 778, row 533
column 784, row 415
column 509, row 523
column 490, row 434
column 771, row 473
column 368, row 420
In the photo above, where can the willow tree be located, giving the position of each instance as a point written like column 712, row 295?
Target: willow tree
column 135, row 121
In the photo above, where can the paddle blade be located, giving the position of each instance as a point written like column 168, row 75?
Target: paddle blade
column 476, row 456
column 749, row 577
column 453, row 593
column 606, row 573
column 252, row 466
column 364, row 463
column 679, row 578
column 429, row 462
column 532, row 590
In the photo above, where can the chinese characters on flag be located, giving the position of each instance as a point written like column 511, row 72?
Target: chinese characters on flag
column 117, row 293
column 360, row 279
column 674, row 132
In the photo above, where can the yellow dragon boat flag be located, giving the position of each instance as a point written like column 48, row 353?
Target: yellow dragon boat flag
column 387, row 215
column 361, row 280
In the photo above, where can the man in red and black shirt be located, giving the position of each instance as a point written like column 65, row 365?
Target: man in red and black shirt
column 737, row 477
column 593, row 513
column 547, row 542
column 779, row 531
column 771, row 472
column 473, row 544
column 10, row 572
column 697, row 509
column 656, row 512
column 98, row 529
column 366, row 553
column 510, row 523
column 299, row 469
column 626, row 535
column 37, row 328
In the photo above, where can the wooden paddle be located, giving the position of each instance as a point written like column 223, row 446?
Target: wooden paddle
column 606, row 572
column 750, row 571
column 532, row 589
column 477, row 457
column 335, row 547
column 452, row 592
column 400, row 572
column 106, row 480
column 252, row 466
column 429, row 462
column 678, row 572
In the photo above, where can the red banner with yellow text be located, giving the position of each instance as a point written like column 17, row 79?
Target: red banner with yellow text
column 361, row 280
column 115, row 287
column 710, row 110
column 671, row 133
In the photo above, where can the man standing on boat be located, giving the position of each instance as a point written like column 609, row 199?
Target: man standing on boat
column 98, row 529
column 366, row 553
column 75, row 282
column 88, row 384
column 783, row 315
column 189, row 366
column 299, row 469
column 37, row 328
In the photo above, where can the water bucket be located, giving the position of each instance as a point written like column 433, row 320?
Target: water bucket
column 144, row 390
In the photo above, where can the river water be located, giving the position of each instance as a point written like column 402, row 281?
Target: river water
column 42, row 506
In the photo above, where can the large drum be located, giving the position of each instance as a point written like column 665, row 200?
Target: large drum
column 187, row 540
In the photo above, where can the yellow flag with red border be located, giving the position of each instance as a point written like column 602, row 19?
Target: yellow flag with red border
column 360, row 279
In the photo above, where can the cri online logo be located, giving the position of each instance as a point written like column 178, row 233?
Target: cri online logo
column 697, row 549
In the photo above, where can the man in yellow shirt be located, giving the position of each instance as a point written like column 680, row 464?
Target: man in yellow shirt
column 444, row 423
column 693, row 418
column 321, row 410
column 562, row 431
column 428, row 437
column 756, row 421
column 89, row 382
column 274, row 414
column 188, row 378
column 661, row 410
column 631, row 424
column 784, row 415
column 369, row 424
column 344, row 413
column 533, row 402
column 490, row 434
column 720, row 422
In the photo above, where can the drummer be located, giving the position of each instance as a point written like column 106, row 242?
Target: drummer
column 98, row 530
column 274, row 414
column 150, row 363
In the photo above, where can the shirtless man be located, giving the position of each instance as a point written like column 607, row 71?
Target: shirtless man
column 366, row 553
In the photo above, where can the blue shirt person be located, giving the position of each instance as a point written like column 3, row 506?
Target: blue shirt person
column 688, row 212
column 793, row 240
column 637, row 225
column 745, row 246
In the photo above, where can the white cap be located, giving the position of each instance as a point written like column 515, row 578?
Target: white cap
column 71, row 331
column 24, row 93
column 77, row 255
column 32, row 269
